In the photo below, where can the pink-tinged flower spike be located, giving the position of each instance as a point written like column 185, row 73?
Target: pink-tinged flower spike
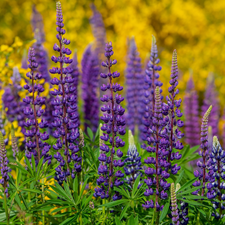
column 5, row 170
column 65, row 115
column 191, row 112
column 174, row 209
column 174, row 113
column 135, row 82
column 202, row 175
column 211, row 98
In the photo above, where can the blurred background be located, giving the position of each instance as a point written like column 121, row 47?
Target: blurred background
column 195, row 28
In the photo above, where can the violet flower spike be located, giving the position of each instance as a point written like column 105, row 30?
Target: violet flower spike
column 134, row 80
column 90, row 73
column 191, row 108
column 113, row 124
column 174, row 112
column 5, row 170
column 65, row 114
column 35, row 144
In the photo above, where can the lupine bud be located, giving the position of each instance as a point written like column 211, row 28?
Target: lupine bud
column 174, row 211
column 14, row 143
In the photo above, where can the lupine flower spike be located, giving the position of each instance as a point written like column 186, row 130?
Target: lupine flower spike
column 65, row 114
column 5, row 170
column 174, row 114
column 33, row 110
column 159, row 138
column 114, row 125
column 191, row 112
column 14, row 143
column 134, row 80
column 152, row 82
column 215, row 165
column 202, row 175
column 132, row 162
column 174, row 210
column 90, row 74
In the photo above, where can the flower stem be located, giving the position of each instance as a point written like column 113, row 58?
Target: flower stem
column 6, row 209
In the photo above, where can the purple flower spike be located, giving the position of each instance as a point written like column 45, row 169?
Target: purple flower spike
column 64, row 101
column 90, row 73
column 192, row 130
column 111, row 130
column 133, row 162
column 148, row 98
column 202, row 175
column 211, row 98
column 174, row 112
column 135, row 82
column 174, row 211
column 98, row 29
column 5, row 170
column 35, row 144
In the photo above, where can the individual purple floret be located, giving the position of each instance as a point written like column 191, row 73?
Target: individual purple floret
column 11, row 99
column 41, row 56
column 211, row 98
column 151, row 82
column 191, row 112
column 135, row 82
column 65, row 124
column 113, row 127
column 216, row 165
column 5, row 170
column 37, row 23
column 158, row 149
column 132, row 162
column 98, row 29
column 201, row 174
column 174, row 113
column 33, row 111
column 90, row 73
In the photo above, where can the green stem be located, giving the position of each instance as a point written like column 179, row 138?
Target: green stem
column 6, row 209
column 153, row 217
column 198, row 217
column 43, row 200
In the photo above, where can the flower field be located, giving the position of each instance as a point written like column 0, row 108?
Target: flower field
column 112, row 112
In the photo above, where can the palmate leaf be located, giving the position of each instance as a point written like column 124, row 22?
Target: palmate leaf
column 69, row 220
column 189, row 191
column 124, row 210
column 135, row 186
column 122, row 191
column 117, row 220
column 179, row 178
column 90, row 133
column 186, row 185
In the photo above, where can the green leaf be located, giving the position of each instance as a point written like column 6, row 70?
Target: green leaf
column 33, row 164
column 69, row 220
column 117, row 220
column 179, row 178
column 124, row 210
column 115, row 203
column 90, row 133
column 135, row 186
column 164, row 211
column 136, row 220
column 187, row 184
column 131, row 220
column 32, row 191
column 29, row 166
column 189, row 191
column 123, row 192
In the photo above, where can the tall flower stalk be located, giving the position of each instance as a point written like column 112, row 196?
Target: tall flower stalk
column 191, row 112
column 113, row 124
column 174, row 112
column 65, row 115
column 174, row 209
column 5, row 170
column 33, row 110
column 202, row 174
column 90, row 73
column 157, row 174
column 134, row 80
